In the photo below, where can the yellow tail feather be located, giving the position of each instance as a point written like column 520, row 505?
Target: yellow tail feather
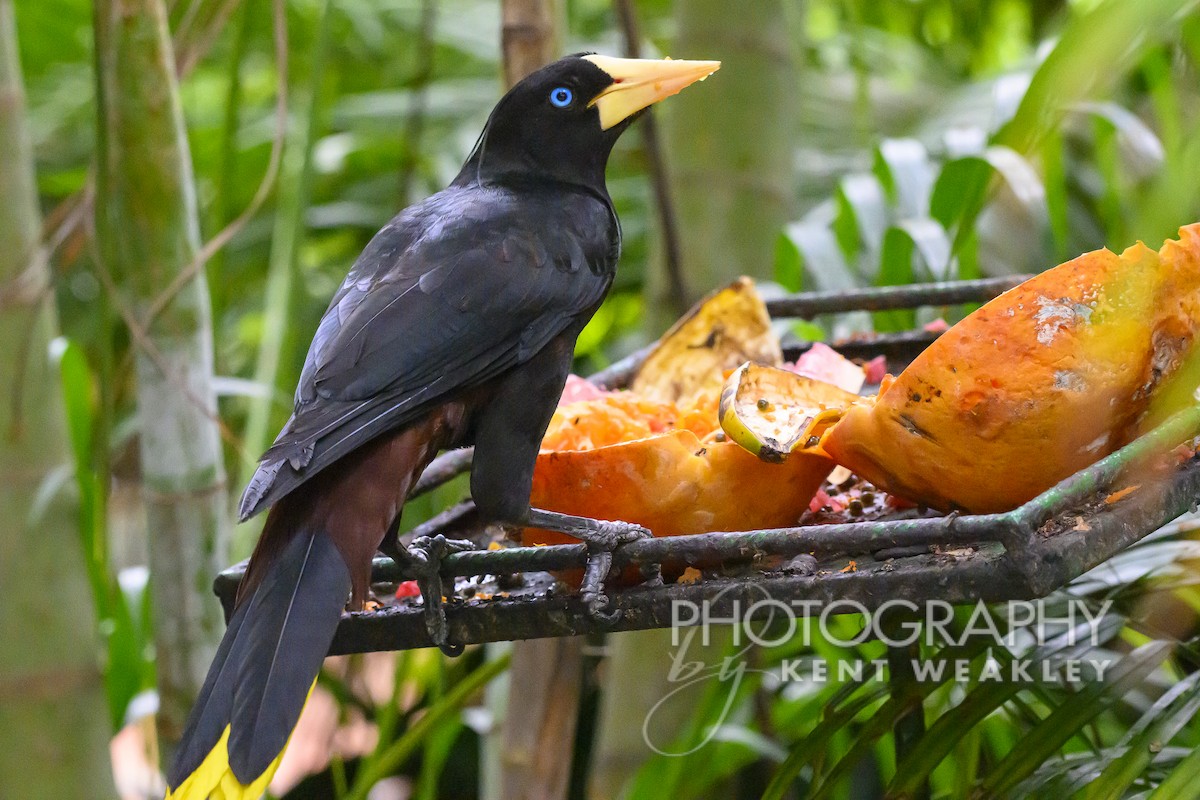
column 214, row 779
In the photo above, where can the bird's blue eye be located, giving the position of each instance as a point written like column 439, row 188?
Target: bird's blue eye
column 561, row 97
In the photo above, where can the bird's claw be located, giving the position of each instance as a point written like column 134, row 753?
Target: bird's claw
column 610, row 535
column 601, row 542
column 425, row 556
column 440, row 545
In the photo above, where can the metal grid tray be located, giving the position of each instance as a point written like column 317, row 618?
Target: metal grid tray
column 1022, row 554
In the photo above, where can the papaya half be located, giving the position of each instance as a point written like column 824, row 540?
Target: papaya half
column 1035, row 385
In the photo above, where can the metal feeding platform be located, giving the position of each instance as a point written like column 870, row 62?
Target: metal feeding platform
column 509, row 593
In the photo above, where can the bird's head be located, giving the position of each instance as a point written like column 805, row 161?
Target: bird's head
column 562, row 121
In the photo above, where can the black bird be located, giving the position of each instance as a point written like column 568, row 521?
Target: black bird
column 455, row 326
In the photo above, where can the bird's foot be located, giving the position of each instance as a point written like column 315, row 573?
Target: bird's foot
column 602, row 538
column 423, row 557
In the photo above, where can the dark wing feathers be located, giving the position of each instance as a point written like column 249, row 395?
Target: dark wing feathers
column 212, row 709
column 293, row 615
column 452, row 293
column 252, row 686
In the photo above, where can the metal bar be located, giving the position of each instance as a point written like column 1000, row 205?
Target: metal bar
column 707, row 549
column 1136, row 455
column 898, row 348
column 1056, row 556
column 886, row 298
column 1014, row 529
column 986, row 574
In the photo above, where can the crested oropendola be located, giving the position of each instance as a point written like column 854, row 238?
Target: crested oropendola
column 455, row 326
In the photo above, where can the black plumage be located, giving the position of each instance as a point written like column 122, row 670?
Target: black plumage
column 456, row 325
column 311, row 584
column 453, row 292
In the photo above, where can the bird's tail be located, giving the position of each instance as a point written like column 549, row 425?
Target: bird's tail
column 263, row 673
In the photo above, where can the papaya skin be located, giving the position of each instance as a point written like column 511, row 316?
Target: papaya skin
column 1037, row 384
column 674, row 484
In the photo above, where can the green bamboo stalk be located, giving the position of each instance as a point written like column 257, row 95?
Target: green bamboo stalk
column 223, row 212
column 733, row 190
column 733, row 186
column 52, row 714
column 530, row 35
column 273, row 367
column 148, row 230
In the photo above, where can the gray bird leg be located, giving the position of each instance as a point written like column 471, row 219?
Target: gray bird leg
column 423, row 558
column 602, row 537
column 508, row 435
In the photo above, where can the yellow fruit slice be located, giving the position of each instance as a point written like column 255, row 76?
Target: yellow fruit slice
column 728, row 327
column 771, row 411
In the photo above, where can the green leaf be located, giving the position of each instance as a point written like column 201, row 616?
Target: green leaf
column 862, row 214
column 1169, row 714
column 438, row 713
column 1054, row 169
column 947, row 731
column 825, row 269
column 438, row 746
column 913, row 249
column 902, row 699
column 710, row 751
column 961, row 185
column 77, row 390
column 821, row 259
column 904, row 169
column 1112, row 194
column 789, row 264
column 808, row 331
column 896, row 269
column 1182, row 782
column 985, row 698
column 1052, row 733
column 811, row 745
column 1094, row 52
column 128, row 669
column 1141, row 149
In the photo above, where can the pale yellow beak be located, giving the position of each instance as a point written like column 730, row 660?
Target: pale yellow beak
column 641, row 82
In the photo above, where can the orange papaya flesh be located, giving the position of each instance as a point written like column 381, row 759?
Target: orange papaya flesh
column 673, row 484
column 600, row 459
column 1037, row 384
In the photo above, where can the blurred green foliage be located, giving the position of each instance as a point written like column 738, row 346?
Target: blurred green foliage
column 937, row 139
